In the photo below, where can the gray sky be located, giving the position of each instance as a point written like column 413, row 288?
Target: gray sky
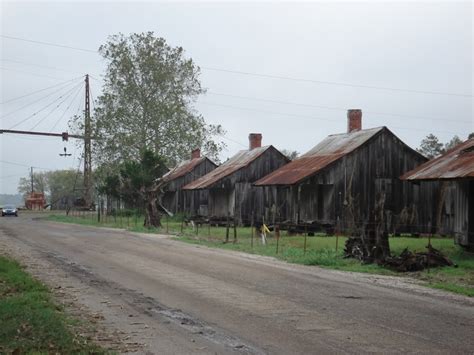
column 417, row 46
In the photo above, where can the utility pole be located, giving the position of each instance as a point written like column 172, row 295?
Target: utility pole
column 87, row 148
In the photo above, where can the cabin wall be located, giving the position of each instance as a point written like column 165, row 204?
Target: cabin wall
column 237, row 196
column 459, row 212
column 345, row 193
column 190, row 203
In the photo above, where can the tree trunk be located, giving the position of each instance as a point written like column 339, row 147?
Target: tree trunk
column 152, row 215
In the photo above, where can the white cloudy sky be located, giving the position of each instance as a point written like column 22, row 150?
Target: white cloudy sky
column 424, row 48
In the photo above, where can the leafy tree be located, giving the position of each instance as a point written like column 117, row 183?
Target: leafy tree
column 431, row 147
column 147, row 103
column 40, row 183
column 452, row 143
column 290, row 154
column 137, row 184
column 471, row 135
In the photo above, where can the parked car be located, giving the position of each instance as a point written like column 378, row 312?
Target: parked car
column 9, row 210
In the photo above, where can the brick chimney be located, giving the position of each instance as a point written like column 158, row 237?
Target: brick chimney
column 255, row 140
column 354, row 120
column 196, row 153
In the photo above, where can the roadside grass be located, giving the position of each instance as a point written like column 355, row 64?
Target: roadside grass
column 30, row 321
column 320, row 250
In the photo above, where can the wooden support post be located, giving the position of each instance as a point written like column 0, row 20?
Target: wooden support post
column 305, row 237
column 227, row 229
column 235, row 232
column 252, row 228
column 277, row 235
column 167, row 224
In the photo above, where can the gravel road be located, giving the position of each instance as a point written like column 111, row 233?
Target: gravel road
column 153, row 294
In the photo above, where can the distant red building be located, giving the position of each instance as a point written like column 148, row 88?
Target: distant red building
column 35, row 201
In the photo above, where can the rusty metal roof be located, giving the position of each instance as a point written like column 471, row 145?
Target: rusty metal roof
column 184, row 168
column 328, row 151
column 240, row 160
column 457, row 163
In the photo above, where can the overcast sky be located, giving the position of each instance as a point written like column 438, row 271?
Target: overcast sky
column 338, row 56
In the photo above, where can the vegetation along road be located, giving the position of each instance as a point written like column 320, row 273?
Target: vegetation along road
column 164, row 296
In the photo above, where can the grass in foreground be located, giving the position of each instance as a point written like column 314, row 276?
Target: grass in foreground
column 320, row 250
column 30, row 321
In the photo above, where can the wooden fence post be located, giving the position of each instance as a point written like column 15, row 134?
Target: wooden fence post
column 227, row 229
column 235, row 232
column 305, row 237
column 277, row 235
column 252, row 227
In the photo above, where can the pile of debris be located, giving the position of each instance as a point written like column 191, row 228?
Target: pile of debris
column 407, row 261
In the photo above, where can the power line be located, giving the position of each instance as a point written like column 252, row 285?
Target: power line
column 336, row 83
column 43, row 108
column 24, row 165
column 39, row 66
column 331, row 107
column 271, row 76
column 33, row 74
column 37, row 91
column 308, row 117
column 70, row 104
column 48, row 44
column 55, row 108
column 38, row 100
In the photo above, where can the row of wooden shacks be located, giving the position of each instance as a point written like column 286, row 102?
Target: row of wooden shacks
column 345, row 182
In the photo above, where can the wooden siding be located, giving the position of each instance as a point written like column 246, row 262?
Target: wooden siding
column 348, row 189
column 189, row 203
column 458, row 212
column 235, row 194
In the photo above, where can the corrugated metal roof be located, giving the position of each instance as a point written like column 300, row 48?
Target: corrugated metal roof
column 240, row 160
column 328, row 151
column 183, row 168
column 457, row 163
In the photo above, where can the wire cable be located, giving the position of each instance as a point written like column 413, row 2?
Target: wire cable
column 67, row 108
column 331, row 107
column 55, row 108
column 32, row 74
column 43, row 108
column 270, row 76
column 39, row 66
column 37, row 91
column 23, row 165
column 38, row 100
column 48, row 43
column 363, row 86
column 308, row 117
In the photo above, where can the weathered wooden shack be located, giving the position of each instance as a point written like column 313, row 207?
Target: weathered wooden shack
column 190, row 203
column 230, row 186
column 344, row 180
column 454, row 170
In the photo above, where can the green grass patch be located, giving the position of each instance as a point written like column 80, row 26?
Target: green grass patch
column 320, row 250
column 30, row 321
